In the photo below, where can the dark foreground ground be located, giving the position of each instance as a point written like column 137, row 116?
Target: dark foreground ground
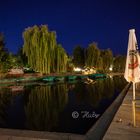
column 126, row 123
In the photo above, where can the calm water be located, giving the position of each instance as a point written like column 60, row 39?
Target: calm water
column 62, row 107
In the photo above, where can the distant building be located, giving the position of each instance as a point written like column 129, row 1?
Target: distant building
column 16, row 72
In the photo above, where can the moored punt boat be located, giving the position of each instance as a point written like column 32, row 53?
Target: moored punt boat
column 97, row 75
column 20, row 79
column 72, row 77
column 49, row 78
column 59, row 78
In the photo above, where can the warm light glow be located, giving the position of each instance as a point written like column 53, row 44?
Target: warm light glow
column 77, row 69
column 89, row 70
column 110, row 68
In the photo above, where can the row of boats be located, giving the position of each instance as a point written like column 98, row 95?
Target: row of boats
column 72, row 77
column 89, row 78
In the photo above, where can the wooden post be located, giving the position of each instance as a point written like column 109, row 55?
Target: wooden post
column 134, row 113
column 134, row 91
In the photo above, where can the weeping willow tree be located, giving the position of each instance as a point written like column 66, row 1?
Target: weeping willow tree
column 43, row 53
column 61, row 59
column 92, row 55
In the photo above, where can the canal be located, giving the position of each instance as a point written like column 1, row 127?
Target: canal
column 68, row 107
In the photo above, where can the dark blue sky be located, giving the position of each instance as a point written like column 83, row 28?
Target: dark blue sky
column 75, row 21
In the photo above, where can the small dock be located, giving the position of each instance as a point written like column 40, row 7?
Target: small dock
column 126, row 123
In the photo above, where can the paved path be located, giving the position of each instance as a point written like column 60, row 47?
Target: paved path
column 126, row 123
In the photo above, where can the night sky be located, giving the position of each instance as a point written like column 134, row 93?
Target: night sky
column 76, row 22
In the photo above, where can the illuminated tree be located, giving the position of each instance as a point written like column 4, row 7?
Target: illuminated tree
column 43, row 53
column 4, row 61
column 119, row 63
column 107, row 57
column 78, row 56
column 92, row 55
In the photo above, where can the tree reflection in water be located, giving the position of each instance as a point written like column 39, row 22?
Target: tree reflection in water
column 5, row 101
column 42, row 107
column 118, row 82
column 102, row 89
column 45, row 102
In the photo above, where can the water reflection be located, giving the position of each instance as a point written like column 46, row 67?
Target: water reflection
column 5, row 101
column 95, row 92
column 44, row 105
column 118, row 82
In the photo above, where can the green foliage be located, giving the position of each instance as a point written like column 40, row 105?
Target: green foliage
column 100, row 64
column 4, row 58
column 14, row 61
column 78, row 57
column 119, row 63
column 43, row 53
column 92, row 55
column 70, row 64
column 8, row 60
column 21, row 58
column 61, row 59
column 107, row 58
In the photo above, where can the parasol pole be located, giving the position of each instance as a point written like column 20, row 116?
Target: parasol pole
column 134, row 113
column 134, row 91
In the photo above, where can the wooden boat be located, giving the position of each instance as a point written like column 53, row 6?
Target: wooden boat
column 49, row 79
column 59, row 78
column 83, row 77
column 72, row 77
column 97, row 75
